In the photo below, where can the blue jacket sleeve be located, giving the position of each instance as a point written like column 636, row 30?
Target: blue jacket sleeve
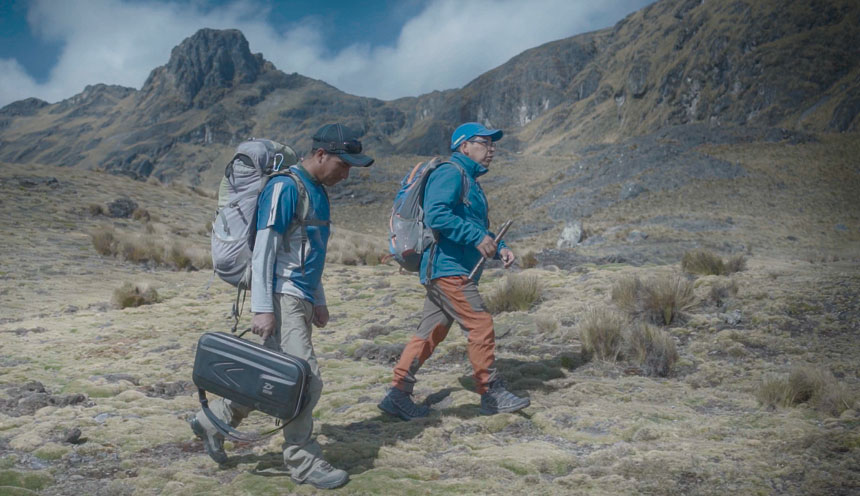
column 499, row 247
column 277, row 204
column 441, row 195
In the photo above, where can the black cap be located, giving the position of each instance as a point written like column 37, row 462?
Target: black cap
column 343, row 142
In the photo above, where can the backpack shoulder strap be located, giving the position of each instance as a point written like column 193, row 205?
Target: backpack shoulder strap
column 464, row 176
column 301, row 218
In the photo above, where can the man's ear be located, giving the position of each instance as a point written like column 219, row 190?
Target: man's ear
column 319, row 155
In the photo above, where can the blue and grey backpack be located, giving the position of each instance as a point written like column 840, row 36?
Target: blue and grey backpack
column 408, row 235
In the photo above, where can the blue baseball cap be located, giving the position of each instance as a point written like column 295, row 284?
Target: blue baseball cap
column 471, row 129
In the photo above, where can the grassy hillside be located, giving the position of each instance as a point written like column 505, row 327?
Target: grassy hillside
column 761, row 398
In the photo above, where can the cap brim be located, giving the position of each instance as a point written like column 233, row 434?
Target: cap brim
column 494, row 134
column 356, row 159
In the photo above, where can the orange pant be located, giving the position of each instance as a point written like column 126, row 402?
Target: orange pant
column 449, row 299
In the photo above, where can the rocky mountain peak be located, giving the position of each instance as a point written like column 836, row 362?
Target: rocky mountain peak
column 204, row 67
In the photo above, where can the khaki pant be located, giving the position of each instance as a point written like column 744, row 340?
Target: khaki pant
column 292, row 336
column 450, row 299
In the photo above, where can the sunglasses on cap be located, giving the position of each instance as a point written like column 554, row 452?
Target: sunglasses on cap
column 351, row 146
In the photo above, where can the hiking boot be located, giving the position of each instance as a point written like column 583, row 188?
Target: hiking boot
column 324, row 476
column 498, row 399
column 214, row 444
column 399, row 404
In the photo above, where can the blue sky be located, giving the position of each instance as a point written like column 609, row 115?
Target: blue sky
column 52, row 49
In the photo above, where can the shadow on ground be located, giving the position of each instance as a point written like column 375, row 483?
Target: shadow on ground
column 355, row 446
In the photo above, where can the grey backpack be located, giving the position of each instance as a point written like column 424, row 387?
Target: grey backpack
column 235, row 227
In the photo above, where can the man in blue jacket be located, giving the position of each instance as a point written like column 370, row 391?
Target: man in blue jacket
column 287, row 295
column 461, row 221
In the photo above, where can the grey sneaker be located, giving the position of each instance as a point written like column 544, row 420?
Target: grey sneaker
column 498, row 399
column 324, row 476
column 214, row 444
column 399, row 404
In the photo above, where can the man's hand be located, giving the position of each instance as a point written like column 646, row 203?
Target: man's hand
column 507, row 256
column 320, row 318
column 487, row 247
column 263, row 324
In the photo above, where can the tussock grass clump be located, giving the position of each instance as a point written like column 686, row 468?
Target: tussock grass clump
column 178, row 256
column 206, row 230
column 626, row 294
column 205, row 193
column 95, row 209
column 736, row 263
column 134, row 295
column 811, row 385
column 651, row 348
column 188, row 189
column 721, row 292
column 518, row 292
column 706, row 263
column 141, row 214
column 601, row 333
column 104, row 241
column 529, row 260
column 149, row 249
column 352, row 248
column 703, row 262
column 546, row 325
column 659, row 299
column 666, row 297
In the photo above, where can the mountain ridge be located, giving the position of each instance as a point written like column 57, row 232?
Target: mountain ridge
column 674, row 62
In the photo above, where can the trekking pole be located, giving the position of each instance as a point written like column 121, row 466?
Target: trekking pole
column 499, row 236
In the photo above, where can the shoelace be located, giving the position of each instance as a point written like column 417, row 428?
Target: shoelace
column 405, row 403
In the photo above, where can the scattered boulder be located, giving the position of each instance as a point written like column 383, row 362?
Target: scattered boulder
column 21, row 331
column 121, row 208
column 169, row 389
column 732, row 318
column 376, row 330
column 385, row 353
column 112, row 378
column 571, row 235
column 37, row 181
column 631, row 190
column 636, row 236
column 844, row 114
column 27, row 398
column 73, row 436
column 637, row 79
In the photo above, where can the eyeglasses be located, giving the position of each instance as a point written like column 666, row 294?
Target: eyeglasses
column 351, row 146
column 488, row 143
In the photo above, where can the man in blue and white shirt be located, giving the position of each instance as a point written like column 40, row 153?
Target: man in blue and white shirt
column 287, row 295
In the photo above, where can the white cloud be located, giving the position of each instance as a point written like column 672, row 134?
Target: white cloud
column 15, row 83
column 450, row 43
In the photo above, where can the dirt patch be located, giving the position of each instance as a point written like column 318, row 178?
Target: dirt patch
column 25, row 399
column 23, row 331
